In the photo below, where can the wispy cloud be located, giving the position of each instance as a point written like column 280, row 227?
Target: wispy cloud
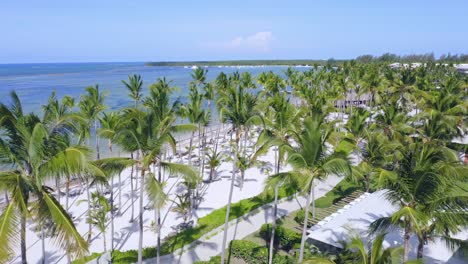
column 259, row 42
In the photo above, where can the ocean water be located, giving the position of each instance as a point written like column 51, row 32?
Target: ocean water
column 35, row 82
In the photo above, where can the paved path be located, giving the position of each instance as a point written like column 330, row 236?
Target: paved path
column 210, row 244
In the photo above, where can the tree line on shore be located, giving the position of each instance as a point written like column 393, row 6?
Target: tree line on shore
column 396, row 133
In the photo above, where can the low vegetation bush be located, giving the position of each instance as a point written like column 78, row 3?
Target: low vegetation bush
column 284, row 236
column 213, row 260
column 252, row 253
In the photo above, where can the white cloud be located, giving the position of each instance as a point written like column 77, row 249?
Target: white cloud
column 259, row 41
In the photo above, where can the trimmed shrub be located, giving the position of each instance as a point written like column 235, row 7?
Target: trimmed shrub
column 284, row 236
column 252, row 253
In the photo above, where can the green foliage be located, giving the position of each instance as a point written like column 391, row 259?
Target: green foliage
column 341, row 190
column 253, row 253
column 287, row 238
column 213, row 260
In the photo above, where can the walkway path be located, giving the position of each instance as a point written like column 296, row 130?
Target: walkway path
column 210, row 244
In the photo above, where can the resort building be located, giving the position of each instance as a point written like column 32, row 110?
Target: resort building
column 355, row 218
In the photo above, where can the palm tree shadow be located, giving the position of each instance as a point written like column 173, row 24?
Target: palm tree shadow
column 194, row 256
column 127, row 231
column 51, row 257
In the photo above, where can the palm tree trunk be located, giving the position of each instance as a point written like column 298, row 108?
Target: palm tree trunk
column 112, row 215
column 190, row 148
column 313, row 200
column 158, row 251
column 97, row 139
column 420, row 247
column 23, row 238
column 273, row 226
column 406, row 239
column 120, row 193
column 104, row 240
column 67, row 192
column 304, row 227
column 57, row 185
column 89, row 208
column 140, row 218
column 228, row 209
column 43, row 244
column 131, row 191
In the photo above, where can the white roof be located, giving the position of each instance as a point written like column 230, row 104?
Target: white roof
column 359, row 214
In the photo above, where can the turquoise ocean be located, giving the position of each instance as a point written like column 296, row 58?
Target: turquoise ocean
column 35, row 82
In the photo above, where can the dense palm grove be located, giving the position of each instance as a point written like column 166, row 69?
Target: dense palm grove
column 384, row 128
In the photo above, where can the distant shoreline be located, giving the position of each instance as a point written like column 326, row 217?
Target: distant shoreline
column 243, row 63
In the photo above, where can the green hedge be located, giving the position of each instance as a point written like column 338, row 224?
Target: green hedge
column 213, row 260
column 252, row 253
column 284, row 236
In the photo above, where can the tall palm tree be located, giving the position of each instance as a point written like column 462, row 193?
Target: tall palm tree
column 311, row 160
column 158, row 199
column 91, row 105
column 59, row 115
column 236, row 108
column 148, row 132
column 423, row 181
column 280, row 119
column 111, row 167
column 36, row 155
column 134, row 87
column 110, row 125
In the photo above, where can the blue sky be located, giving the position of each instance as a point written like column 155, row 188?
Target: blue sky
column 100, row 30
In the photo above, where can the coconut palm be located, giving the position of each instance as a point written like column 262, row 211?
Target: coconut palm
column 111, row 167
column 236, row 108
column 374, row 253
column 214, row 159
column 98, row 214
column 134, row 87
column 311, row 160
column 148, row 132
column 158, row 199
column 58, row 114
column 34, row 156
column 91, row 105
column 110, row 124
column 423, row 181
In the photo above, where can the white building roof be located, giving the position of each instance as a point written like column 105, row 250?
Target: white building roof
column 356, row 218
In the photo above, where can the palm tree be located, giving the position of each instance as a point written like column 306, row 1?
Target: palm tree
column 311, row 160
column 58, row 114
column 375, row 252
column 111, row 167
column 91, row 105
column 148, row 133
column 36, row 155
column 280, row 119
column 237, row 108
column 158, row 199
column 98, row 215
column 423, row 181
column 134, row 87
column 214, row 159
